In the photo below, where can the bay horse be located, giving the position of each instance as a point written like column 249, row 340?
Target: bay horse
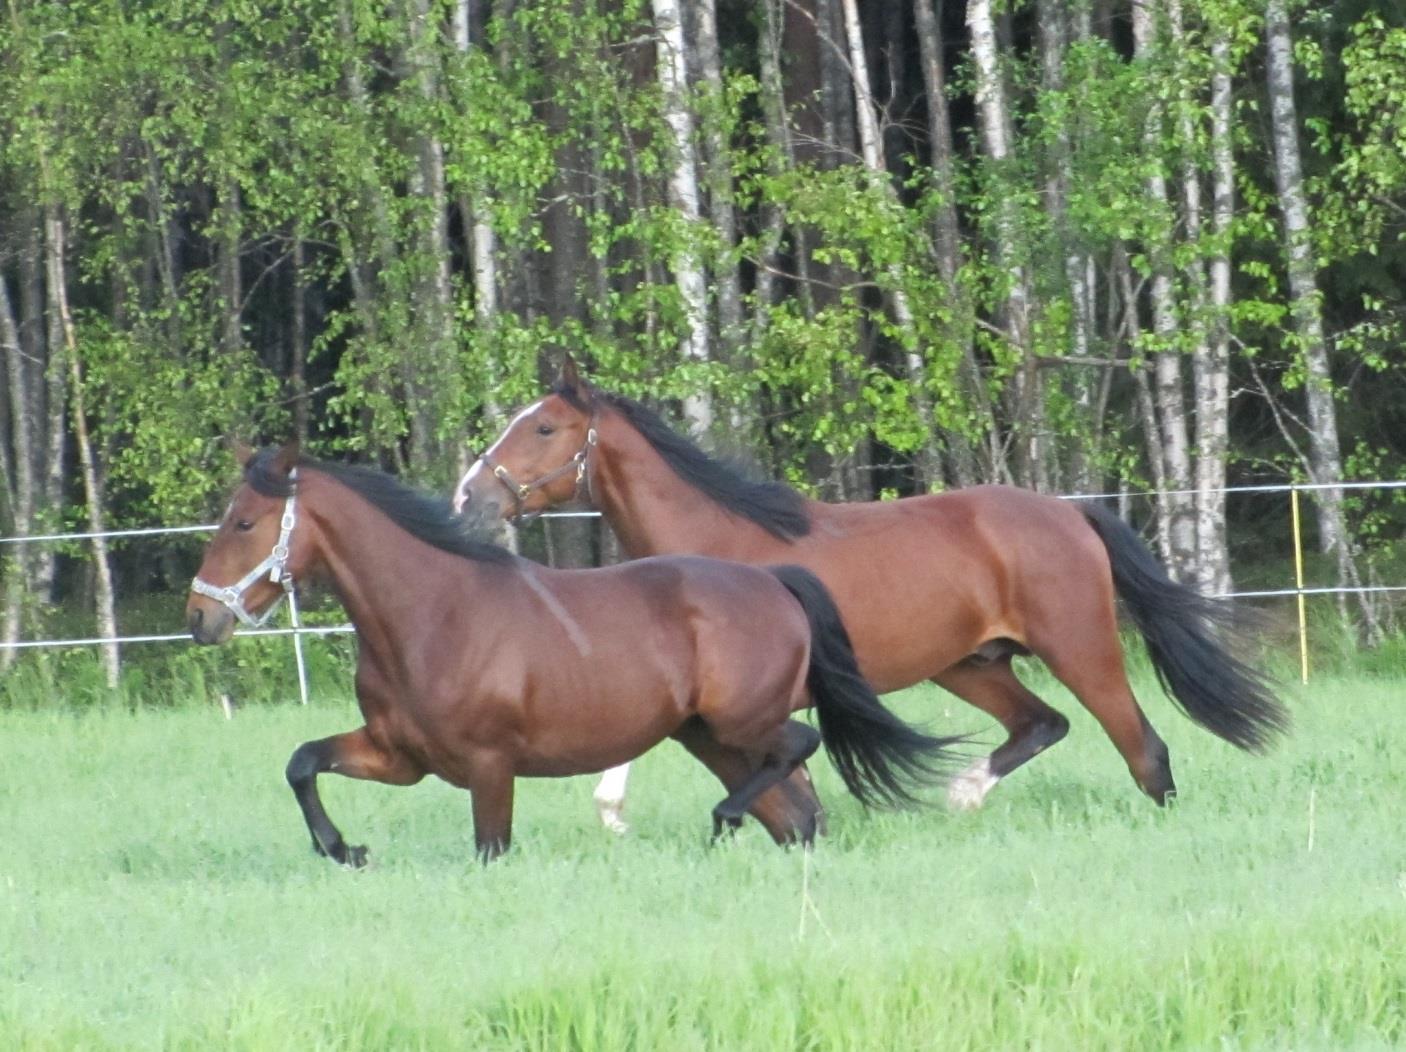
column 945, row 587
column 480, row 667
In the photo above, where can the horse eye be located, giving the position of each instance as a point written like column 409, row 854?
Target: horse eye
column 545, row 429
column 243, row 525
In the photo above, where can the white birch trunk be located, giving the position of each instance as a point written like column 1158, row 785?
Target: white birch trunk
column 1212, row 366
column 483, row 255
column 92, row 488
column 996, row 134
column 430, row 373
column 718, row 178
column 672, row 67
column 55, row 405
column 1325, row 457
column 947, row 239
column 773, row 102
column 871, row 149
column 1177, row 507
column 21, row 439
column 1053, row 34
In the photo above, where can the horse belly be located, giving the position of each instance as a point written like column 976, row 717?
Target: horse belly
column 595, row 722
column 909, row 628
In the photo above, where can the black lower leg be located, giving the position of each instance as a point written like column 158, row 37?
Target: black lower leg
column 797, row 742
column 1028, row 741
column 309, row 760
column 1155, row 778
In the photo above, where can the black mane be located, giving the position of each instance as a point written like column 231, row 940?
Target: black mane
column 429, row 518
column 773, row 506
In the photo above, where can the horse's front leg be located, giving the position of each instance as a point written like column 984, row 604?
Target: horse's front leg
column 355, row 755
column 492, row 787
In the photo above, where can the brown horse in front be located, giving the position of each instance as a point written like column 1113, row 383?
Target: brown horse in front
column 480, row 667
column 944, row 587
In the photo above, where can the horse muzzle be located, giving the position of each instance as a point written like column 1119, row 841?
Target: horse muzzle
column 209, row 624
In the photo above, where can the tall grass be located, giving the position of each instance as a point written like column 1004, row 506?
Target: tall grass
column 157, row 890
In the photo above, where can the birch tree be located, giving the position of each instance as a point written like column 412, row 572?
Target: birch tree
column 1212, row 365
column 1177, row 523
column 672, row 68
column 996, row 135
column 21, row 481
column 1325, row 464
column 55, row 241
column 872, row 151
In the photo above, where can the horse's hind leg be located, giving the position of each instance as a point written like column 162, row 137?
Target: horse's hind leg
column 609, row 796
column 354, row 755
column 789, row 811
column 1093, row 670
column 791, row 745
column 1031, row 725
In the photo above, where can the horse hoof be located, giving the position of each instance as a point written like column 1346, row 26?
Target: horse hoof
column 725, row 825
column 610, row 818
column 355, row 857
column 967, row 791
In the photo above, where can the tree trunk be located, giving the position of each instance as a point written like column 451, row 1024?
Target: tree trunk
column 928, row 457
column 298, row 351
column 1212, row 365
column 231, row 285
column 671, row 66
column 1054, row 43
column 432, row 379
column 55, row 408
column 718, row 179
column 92, row 489
column 1325, row 457
column 962, row 457
column 773, row 101
column 994, row 124
column 17, row 557
column 1177, row 507
column 482, row 244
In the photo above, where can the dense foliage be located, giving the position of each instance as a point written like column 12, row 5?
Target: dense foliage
column 925, row 262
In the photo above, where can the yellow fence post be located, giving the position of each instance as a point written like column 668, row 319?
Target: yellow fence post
column 1298, row 583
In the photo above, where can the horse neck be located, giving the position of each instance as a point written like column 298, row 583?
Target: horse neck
column 654, row 512
column 373, row 565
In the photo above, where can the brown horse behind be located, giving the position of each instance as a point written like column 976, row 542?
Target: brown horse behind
column 480, row 667
column 944, row 587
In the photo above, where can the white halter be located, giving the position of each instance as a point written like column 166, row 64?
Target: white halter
column 275, row 563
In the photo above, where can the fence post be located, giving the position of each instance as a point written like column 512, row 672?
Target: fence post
column 1298, row 584
column 298, row 647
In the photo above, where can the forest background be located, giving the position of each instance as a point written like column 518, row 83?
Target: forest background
column 877, row 248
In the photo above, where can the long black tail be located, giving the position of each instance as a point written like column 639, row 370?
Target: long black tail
column 1223, row 694
column 881, row 758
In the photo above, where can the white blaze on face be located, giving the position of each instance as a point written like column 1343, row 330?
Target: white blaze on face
column 477, row 468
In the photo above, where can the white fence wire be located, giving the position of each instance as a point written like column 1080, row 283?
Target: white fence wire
column 343, row 629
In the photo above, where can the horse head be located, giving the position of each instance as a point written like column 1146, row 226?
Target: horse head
column 541, row 460
column 254, row 557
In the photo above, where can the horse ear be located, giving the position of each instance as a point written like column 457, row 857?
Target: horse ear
column 571, row 381
column 243, row 452
column 286, row 459
column 570, row 376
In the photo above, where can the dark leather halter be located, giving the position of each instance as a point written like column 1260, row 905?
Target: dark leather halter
column 522, row 490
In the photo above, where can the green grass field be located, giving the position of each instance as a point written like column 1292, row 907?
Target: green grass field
column 157, row 890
